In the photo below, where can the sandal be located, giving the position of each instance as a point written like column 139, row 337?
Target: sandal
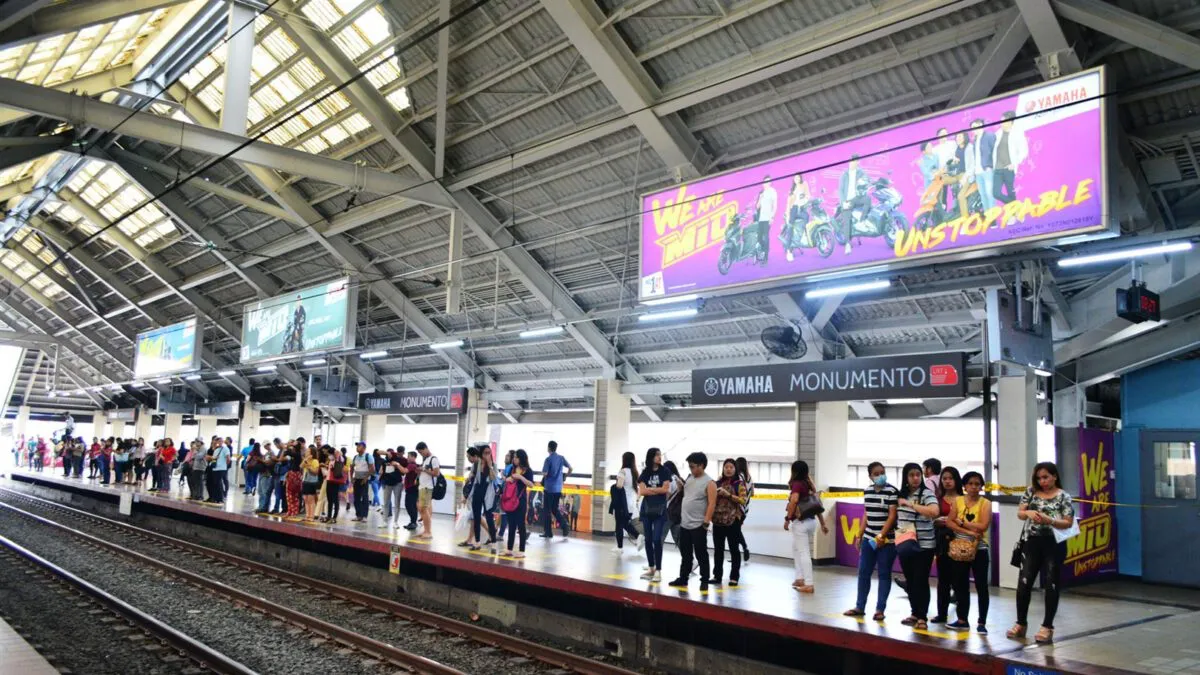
column 1044, row 636
column 807, row 589
column 854, row 612
column 878, row 616
column 1017, row 632
column 910, row 621
column 921, row 625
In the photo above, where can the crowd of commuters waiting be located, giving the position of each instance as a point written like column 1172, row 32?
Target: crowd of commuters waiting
column 935, row 517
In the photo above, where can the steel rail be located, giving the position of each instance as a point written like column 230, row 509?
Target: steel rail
column 550, row 655
column 206, row 656
column 400, row 658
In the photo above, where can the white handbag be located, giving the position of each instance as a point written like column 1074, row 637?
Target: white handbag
column 1062, row 535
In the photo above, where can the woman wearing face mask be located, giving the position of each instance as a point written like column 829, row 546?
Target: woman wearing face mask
column 1045, row 507
column 970, row 520
column 917, row 507
column 877, row 550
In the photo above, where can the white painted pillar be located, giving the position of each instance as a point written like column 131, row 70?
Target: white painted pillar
column 374, row 432
column 1016, row 455
column 99, row 426
column 21, row 424
column 206, row 428
column 141, row 427
column 173, row 429
column 239, row 51
column 118, row 429
column 610, row 440
column 821, row 440
column 300, row 423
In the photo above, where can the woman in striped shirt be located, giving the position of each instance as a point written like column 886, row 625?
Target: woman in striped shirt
column 876, row 549
column 915, row 541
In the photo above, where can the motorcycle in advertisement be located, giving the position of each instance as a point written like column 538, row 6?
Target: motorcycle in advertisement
column 1007, row 172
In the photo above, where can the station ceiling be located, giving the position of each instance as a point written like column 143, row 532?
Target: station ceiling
column 543, row 139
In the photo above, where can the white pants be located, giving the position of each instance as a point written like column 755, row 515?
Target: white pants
column 802, row 540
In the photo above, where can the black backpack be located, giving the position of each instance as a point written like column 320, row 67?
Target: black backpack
column 338, row 469
column 675, row 507
column 439, row 487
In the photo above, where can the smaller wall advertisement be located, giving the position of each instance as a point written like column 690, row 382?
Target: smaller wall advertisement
column 1092, row 555
column 167, row 350
column 318, row 318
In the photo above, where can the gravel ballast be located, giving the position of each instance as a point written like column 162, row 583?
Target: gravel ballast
column 456, row 652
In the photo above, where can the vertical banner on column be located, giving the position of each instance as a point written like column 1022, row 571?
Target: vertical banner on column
column 1092, row 555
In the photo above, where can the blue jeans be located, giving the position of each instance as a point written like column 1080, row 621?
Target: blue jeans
column 374, row 491
column 871, row 559
column 251, row 482
column 104, row 468
column 280, row 493
column 655, row 533
column 985, row 179
column 264, row 495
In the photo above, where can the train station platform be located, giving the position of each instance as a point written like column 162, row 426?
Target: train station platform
column 1115, row 627
column 20, row 658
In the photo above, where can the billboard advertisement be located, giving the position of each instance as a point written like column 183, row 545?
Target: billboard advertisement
column 1014, row 169
column 1092, row 555
column 167, row 350
column 917, row 376
column 318, row 318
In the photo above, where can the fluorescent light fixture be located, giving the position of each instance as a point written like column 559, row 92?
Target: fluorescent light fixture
column 115, row 387
column 567, row 410
column 97, row 388
column 838, row 275
column 265, row 369
column 1127, row 253
column 314, row 362
column 448, row 344
column 670, row 301
column 192, row 378
column 369, row 355
column 667, row 316
column 541, row 332
column 847, row 289
column 1041, row 396
column 904, row 401
column 227, row 373
column 1042, row 373
column 52, row 394
column 165, row 380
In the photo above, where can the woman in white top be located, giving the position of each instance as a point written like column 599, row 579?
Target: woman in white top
column 627, row 483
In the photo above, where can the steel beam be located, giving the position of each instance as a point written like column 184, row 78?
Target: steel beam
column 27, row 152
column 88, row 85
column 30, row 318
column 1177, row 337
column 239, row 52
column 607, row 54
column 1134, row 29
column 13, row 11
column 994, row 60
column 63, row 18
column 83, row 111
column 1058, row 57
column 443, row 82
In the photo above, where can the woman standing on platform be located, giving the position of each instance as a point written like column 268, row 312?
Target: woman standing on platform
column 801, row 519
column 166, row 462
column 948, row 488
column 876, row 550
column 969, row 520
column 151, row 464
column 521, row 477
column 483, row 500
column 1045, row 507
column 333, row 485
column 198, row 463
column 311, row 467
column 508, row 469
column 732, row 496
column 653, row 485
column 294, row 480
column 915, row 541
column 627, row 487
column 743, row 471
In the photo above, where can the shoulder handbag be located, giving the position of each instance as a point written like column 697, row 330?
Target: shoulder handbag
column 809, row 507
column 963, row 550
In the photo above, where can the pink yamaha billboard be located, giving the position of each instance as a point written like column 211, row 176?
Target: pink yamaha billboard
column 1026, row 166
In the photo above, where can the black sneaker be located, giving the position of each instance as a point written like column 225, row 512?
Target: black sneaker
column 703, row 587
column 716, row 581
column 681, row 583
column 733, row 582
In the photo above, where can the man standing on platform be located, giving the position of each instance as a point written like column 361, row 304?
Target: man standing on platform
column 361, row 469
column 553, row 471
column 220, row 460
column 249, row 475
column 430, row 469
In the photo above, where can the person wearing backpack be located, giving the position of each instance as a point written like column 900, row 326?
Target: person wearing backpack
column 515, row 502
column 623, row 502
column 361, row 468
column 430, row 477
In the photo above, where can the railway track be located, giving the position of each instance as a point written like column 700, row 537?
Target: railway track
column 170, row 650
column 512, row 653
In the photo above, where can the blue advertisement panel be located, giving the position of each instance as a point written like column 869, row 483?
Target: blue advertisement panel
column 315, row 319
column 167, row 350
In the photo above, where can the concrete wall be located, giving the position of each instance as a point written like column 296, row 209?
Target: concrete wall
column 1164, row 396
